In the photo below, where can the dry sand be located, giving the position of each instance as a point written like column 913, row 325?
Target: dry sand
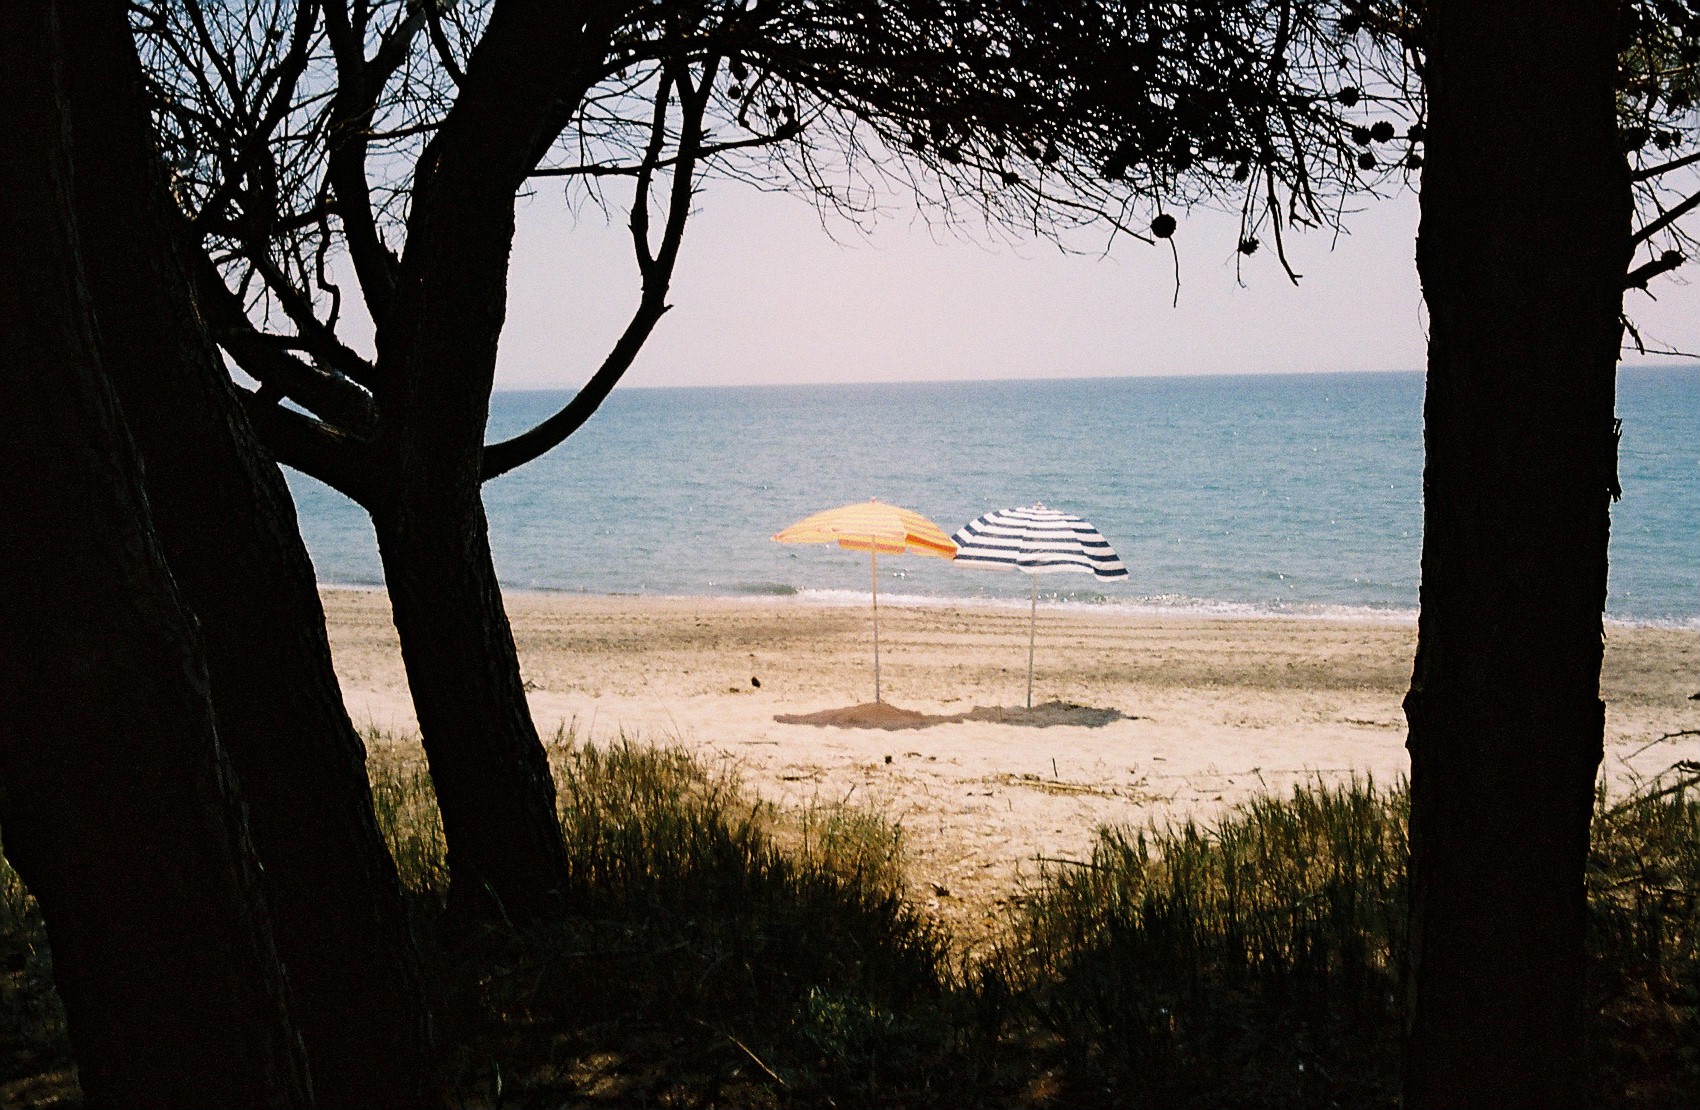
column 1150, row 717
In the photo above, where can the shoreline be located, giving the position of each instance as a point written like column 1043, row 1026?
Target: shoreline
column 1165, row 717
column 1189, row 609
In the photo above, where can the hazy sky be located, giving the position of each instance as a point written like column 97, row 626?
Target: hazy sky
column 764, row 294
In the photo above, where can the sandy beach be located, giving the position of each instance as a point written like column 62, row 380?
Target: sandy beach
column 1161, row 716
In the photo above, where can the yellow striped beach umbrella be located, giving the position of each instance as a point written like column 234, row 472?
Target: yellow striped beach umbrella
column 879, row 529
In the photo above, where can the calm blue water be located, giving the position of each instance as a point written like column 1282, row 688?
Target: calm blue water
column 1245, row 494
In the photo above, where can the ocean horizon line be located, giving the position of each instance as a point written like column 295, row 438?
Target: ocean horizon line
column 1165, row 376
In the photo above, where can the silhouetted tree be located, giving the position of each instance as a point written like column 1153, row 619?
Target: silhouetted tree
column 118, row 807
column 1525, row 249
column 1524, row 241
column 227, row 529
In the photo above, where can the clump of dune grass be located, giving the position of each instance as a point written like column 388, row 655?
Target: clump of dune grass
column 405, row 804
column 1254, row 962
column 710, row 948
column 1644, row 944
column 35, row 1055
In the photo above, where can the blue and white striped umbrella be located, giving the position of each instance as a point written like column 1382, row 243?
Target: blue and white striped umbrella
column 1036, row 540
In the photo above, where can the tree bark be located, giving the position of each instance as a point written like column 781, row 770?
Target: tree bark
column 437, row 338
column 227, row 526
column 118, row 808
column 506, row 856
column 1524, row 240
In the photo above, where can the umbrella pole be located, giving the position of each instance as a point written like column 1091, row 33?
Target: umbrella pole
column 1032, row 624
column 874, row 577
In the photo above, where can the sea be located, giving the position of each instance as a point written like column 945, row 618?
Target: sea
column 1232, row 495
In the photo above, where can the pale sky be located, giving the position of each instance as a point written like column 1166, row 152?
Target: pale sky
column 763, row 294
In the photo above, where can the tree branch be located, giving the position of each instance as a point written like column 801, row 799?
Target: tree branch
column 321, row 340
column 440, row 42
column 358, row 89
column 335, row 400
column 312, row 447
column 1664, row 221
column 657, row 270
column 1647, row 271
column 286, row 77
column 1676, row 164
column 602, row 169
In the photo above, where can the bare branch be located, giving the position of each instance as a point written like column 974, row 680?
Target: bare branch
column 1647, row 271
column 359, row 84
column 1670, row 217
column 656, row 268
column 266, row 359
column 604, row 170
column 312, row 447
column 317, row 337
column 1651, row 172
column 440, row 43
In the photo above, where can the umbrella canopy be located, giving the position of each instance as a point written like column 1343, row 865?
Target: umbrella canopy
column 1038, row 541
column 879, row 529
column 872, row 525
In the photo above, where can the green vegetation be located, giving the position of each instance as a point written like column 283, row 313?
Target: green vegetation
column 35, row 1053
column 713, row 950
column 1255, row 963
column 716, row 951
column 1644, row 944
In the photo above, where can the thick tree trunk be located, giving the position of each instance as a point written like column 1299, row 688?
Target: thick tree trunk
column 1522, row 249
column 227, row 525
column 437, row 357
column 491, row 774
column 117, row 806
column 437, row 340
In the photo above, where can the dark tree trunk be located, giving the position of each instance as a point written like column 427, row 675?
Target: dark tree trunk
column 437, row 356
column 227, row 525
column 118, row 808
column 494, row 789
column 1522, row 249
column 437, row 341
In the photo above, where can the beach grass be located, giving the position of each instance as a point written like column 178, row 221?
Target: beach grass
column 715, row 950
column 1252, row 962
column 35, row 1052
column 1644, row 943
column 1255, row 962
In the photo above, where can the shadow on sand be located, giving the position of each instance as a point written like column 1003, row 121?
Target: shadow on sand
column 883, row 715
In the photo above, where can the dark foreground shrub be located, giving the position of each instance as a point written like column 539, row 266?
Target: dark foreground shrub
column 714, row 951
column 1256, row 962
column 35, row 1053
column 1253, row 963
column 1644, row 945
column 711, row 950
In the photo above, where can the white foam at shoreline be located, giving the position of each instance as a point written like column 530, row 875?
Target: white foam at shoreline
column 1134, row 607
column 1167, row 606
